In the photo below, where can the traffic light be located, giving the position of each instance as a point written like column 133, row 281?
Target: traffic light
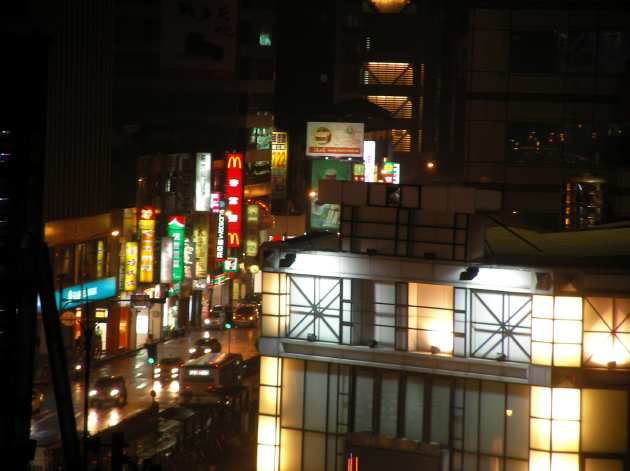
column 227, row 325
column 151, row 353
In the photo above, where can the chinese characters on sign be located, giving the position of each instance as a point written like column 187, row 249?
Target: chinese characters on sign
column 175, row 230
column 251, row 241
column 233, row 194
column 369, row 160
column 391, row 172
column 215, row 202
column 166, row 260
column 203, row 182
column 220, row 253
column 279, row 154
column 146, row 226
column 131, row 265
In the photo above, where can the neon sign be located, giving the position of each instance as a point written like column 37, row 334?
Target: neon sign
column 233, row 194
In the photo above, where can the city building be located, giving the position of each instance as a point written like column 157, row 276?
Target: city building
column 424, row 335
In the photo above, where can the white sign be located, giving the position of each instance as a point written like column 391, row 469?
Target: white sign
column 334, row 139
column 369, row 161
column 166, row 260
column 203, row 182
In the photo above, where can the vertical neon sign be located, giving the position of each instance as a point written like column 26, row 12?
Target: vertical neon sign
column 146, row 225
column 175, row 230
column 233, row 192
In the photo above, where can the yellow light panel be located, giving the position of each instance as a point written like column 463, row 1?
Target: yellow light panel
column 565, row 404
column 542, row 307
column 540, row 402
column 568, row 308
column 565, row 435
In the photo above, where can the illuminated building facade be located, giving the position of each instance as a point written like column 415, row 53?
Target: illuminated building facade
column 410, row 344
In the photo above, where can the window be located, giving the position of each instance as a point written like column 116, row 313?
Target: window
column 613, row 52
column 580, row 51
column 430, row 318
column 500, row 325
column 398, row 106
column 387, row 73
column 401, row 140
column 531, row 142
column 536, row 52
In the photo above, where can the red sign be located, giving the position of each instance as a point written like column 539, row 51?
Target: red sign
column 233, row 194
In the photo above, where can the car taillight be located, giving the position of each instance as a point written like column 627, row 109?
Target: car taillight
column 210, row 387
column 187, row 386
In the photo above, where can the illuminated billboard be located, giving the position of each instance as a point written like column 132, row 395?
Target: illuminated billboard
column 230, row 264
column 326, row 216
column 166, row 260
column 391, row 172
column 369, row 160
column 251, row 241
column 233, row 195
column 215, row 202
column 176, row 227
column 279, row 157
column 203, row 182
column 334, row 139
column 131, row 265
column 146, row 227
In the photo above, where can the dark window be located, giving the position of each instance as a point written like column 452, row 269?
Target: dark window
column 535, row 52
column 613, row 52
column 580, row 49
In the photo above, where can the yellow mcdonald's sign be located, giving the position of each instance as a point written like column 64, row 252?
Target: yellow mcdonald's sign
column 233, row 239
column 234, row 161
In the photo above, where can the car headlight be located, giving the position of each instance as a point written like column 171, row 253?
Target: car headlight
column 114, row 392
column 158, row 370
column 192, row 350
column 207, row 350
column 206, row 335
column 174, row 370
column 206, row 321
column 93, row 392
column 251, row 318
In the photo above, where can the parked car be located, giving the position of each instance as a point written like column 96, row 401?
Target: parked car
column 246, row 315
column 218, row 316
column 108, row 390
column 167, row 369
column 204, row 346
column 36, row 400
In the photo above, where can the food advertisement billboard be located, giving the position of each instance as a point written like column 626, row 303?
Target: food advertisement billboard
column 334, row 139
column 327, row 216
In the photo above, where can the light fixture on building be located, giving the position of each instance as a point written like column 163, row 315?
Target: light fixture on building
column 612, row 364
column 390, row 6
column 434, row 350
column 312, row 194
column 115, row 233
column 543, row 281
column 311, row 338
column 287, row 260
column 508, row 412
column 501, row 357
column 430, row 164
column 469, row 274
column 372, row 343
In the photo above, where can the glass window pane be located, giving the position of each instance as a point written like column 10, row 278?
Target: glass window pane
column 316, row 381
column 603, row 465
column 471, row 420
column 314, row 451
column 364, row 398
column 492, row 417
column 389, row 404
column 292, row 396
column 517, row 421
column 604, row 420
column 490, row 463
column 291, row 449
column 440, row 408
column 414, row 406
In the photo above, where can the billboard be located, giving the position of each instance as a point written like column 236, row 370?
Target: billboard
column 391, row 172
column 175, row 229
column 233, row 195
column 166, row 260
column 74, row 296
column 334, row 139
column 199, row 34
column 251, row 241
column 326, row 216
column 369, row 160
column 203, row 182
column 279, row 157
column 146, row 227
column 215, row 202
column 131, row 265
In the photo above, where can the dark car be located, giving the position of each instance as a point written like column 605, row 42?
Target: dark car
column 203, row 346
column 167, row 369
column 245, row 315
column 218, row 316
column 108, row 390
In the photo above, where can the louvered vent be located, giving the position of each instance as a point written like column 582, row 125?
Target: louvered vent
column 398, row 106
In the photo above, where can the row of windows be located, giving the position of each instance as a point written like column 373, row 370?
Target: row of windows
column 575, row 52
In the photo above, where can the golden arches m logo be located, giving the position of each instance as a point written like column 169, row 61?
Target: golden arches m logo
column 234, row 161
column 234, row 239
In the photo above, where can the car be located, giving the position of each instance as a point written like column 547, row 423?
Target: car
column 108, row 390
column 246, row 315
column 203, row 346
column 218, row 316
column 167, row 369
column 37, row 398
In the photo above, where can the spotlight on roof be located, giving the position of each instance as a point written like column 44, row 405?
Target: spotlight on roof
column 469, row 274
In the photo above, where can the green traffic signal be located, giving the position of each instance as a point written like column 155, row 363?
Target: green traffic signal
column 151, row 360
column 227, row 325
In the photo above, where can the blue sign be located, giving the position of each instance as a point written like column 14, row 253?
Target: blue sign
column 74, row 296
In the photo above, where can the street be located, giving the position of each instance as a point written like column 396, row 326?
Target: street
column 138, row 377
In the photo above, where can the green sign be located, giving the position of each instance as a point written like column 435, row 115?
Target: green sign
column 176, row 229
column 327, row 216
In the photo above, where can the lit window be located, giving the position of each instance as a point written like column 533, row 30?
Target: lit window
column 264, row 39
